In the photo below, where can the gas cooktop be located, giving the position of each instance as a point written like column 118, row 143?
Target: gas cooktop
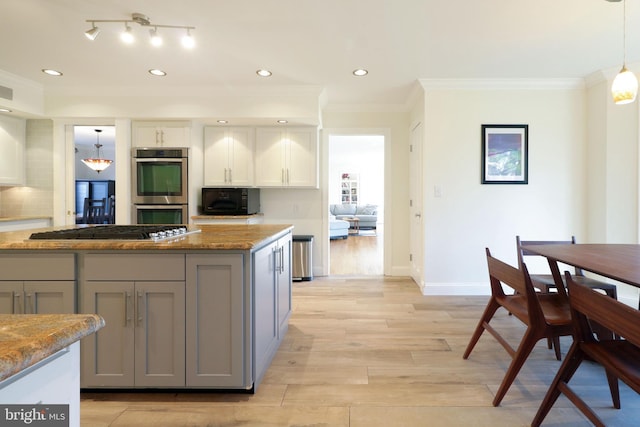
column 116, row 232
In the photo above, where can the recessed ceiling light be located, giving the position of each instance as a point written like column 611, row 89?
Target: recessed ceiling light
column 4, row 110
column 263, row 73
column 51, row 72
column 360, row 72
column 223, row 122
column 157, row 72
column 282, row 122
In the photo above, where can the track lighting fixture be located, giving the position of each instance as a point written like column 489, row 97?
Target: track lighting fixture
column 142, row 20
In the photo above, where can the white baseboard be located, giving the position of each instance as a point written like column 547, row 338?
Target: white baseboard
column 456, row 289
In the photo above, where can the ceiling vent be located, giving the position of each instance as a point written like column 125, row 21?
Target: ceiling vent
column 6, row 93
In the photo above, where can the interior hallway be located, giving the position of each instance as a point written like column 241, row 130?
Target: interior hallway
column 357, row 255
column 374, row 352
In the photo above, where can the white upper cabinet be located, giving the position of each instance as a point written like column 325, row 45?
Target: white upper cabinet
column 161, row 134
column 287, row 157
column 12, row 147
column 228, row 156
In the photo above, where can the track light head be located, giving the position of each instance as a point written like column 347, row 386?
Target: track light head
column 92, row 33
column 127, row 36
column 188, row 41
column 156, row 40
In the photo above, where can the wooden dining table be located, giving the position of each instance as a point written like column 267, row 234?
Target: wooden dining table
column 619, row 262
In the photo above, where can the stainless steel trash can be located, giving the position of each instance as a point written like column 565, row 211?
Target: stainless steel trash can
column 302, row 257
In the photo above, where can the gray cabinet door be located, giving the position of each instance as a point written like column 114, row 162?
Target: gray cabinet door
column 42, row 297
column 283, row 278
column 142, row 343
column 159, row 334
column 265, row 320
column 215, row 322
column 37, row 297
column 108, row 355
column 11, row 297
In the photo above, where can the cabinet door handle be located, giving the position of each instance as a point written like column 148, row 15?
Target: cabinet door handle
column 287, row 176
column 16, row 303
column 230, row 176
column 276, row 260
column 28, row 304
column 281, row 259
column 127, row 303
column 139, row 307
column 161, row 137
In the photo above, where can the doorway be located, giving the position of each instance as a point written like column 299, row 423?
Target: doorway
column 356, row 186
column 93, row 142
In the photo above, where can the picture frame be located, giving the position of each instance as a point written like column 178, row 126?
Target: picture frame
column 505, row 153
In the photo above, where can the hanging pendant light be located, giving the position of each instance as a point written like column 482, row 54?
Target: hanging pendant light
column 625, row 86
column 98, row 164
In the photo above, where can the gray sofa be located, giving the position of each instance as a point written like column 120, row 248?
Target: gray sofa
column 338, row 229
column 367, row 214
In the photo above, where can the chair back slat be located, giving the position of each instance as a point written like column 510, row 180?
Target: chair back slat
column 608, row 312
column 518, row 280
column 94, row 211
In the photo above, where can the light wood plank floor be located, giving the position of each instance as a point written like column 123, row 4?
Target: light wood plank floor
column 357, row 255
column 374, row 352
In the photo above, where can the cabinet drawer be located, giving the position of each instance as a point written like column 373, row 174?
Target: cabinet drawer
column 131, row 267
column 40, row 266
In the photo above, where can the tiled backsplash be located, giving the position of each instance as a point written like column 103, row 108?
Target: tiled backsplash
column 36, row 197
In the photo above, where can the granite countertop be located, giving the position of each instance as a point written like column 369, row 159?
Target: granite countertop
column 26, row 339
column 226, row 216
column 210, row 237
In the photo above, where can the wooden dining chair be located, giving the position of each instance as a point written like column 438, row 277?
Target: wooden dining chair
column 546, row 316
column 546, row 282
column 94, row 211
column 619, row 357
column 110, row 213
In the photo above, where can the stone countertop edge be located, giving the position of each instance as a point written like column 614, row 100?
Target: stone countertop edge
column 210, row 237
column 21, row 218
column 26, row 339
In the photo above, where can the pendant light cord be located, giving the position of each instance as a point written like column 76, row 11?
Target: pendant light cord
column 624, row 33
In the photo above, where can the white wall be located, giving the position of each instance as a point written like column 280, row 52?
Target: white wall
column 470, row 216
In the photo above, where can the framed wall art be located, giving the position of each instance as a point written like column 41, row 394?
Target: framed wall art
column 505, row 154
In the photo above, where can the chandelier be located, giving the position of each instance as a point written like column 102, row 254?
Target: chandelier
column 97, row 163
column 144, row 21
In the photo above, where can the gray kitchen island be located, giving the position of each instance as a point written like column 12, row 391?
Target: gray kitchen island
column 203, row 310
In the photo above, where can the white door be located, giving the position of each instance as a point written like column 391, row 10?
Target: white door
column 416, row 227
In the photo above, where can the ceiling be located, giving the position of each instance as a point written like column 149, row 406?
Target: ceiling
column 317, row 43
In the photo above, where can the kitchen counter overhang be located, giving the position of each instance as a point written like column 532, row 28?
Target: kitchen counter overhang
column 27, row 339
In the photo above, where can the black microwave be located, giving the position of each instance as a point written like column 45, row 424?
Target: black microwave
column 230, row 201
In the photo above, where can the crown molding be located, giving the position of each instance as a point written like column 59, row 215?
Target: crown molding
column 501, row 84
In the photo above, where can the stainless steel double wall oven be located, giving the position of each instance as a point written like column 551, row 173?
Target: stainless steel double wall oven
column 160, row 185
